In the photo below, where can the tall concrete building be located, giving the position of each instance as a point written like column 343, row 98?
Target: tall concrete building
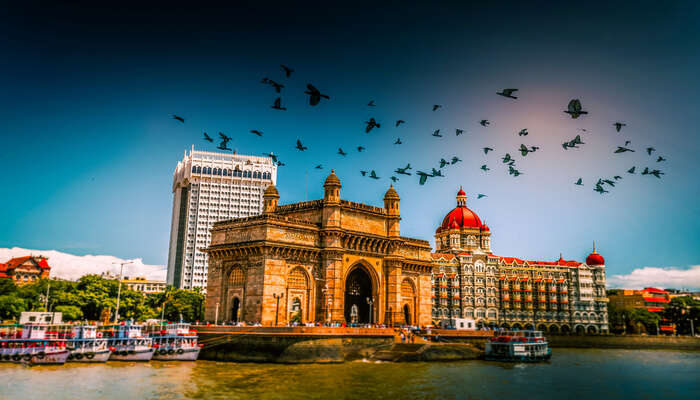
column 210, row 187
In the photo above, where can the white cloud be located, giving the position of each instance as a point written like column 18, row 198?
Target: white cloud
column 658, row 277
column 72, row 267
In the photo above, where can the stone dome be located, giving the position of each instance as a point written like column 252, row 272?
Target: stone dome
column 391, row 194
column 271, row 191
column 332, row 180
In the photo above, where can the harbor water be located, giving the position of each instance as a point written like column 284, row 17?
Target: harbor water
column 571, row 374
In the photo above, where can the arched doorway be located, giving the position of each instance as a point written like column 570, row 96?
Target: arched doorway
column 592, row 330
column 580, row 330
column 553, row 329
column 565, row 329
column 358, row 287
column 407, row 314
column 408, row 295
column 235, row 309
column 542, row 327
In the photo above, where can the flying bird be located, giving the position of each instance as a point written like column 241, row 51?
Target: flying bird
column 222, row 146
column 574, row 109
column 208, row 138
column 287, row 71
column 280, row 164
column 272, row 156
column 621, row 149
column 650, row 150
column 393, row 178
column 437, row 133
column 619, row 125
column 364, row 173
column 523, row 132
column 506, row 158
column 524, row 150
column 487, row 149
column 485, row 168
column 660, row 159
column 617, row 177
column 371, row 124
column 437, row 172
column 599, row 189
column 398, row 141
column 360, row 148
column 341, row 152
column 373, row 175
column 455, row 160
column 443, row 162
column 371, row 103
column 314, row 95
column 534, row 149
column 319, row 166
column 579, row 182
column 257, row 132
column 646, row 171
column 459, row 131
column 508, row 93
column 657, row 173
column 403, row 170
column 278, row 104
column 609, row 182
column 423, row 177
column 299, row 146
column 484, row 122
column 436, row 106
column 225, row 138
column 631, row 170
column 179, row 118
column 399, row 122
column 278, row 86
column 627, row 142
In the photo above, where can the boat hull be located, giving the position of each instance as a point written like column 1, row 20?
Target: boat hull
column 89, row 356
column 185, row 355
column 132, row 355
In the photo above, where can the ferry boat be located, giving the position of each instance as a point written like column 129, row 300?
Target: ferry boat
column 32, row 344
column 128, row 343
column 174, row 342
column 523, row 346
column 88, row 345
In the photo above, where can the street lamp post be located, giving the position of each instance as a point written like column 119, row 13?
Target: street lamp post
column 119, row 290
column 370, row 301
column 277, row 306
column 216, row 314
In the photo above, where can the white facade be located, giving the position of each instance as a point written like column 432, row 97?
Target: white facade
column 210, row 187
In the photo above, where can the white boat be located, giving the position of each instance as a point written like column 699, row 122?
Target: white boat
column 87, row 345
column 34, row 344
column 523, row 346
column 174, row 342
column 128, row 343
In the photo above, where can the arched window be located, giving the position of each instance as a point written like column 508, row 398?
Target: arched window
column 407, row 291
column 297, row 279
column 194, row 169
column 236, row 277
column 199, row 169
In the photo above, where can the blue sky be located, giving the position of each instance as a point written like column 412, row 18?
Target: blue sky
column 90, row 144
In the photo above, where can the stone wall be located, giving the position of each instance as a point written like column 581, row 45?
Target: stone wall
column 626, row 342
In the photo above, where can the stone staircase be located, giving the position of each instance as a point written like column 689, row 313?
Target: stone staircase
column 401, row 352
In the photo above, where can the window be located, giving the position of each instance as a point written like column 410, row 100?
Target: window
column 297, row 279
column 236, row 277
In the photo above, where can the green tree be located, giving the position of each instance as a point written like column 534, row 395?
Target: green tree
column 11, row 306
column 7, row 286
column 70, row 313
column 680, row 311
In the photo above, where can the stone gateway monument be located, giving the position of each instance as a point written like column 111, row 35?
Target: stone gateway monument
column 327, row 260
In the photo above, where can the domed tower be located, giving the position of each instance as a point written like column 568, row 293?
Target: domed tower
column 594, row 259
column 462, row 229
column 270, row 199
column 391, row 204
column 332, row 188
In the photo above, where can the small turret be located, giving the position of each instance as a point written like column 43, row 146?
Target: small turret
column 271, row 198
column 332, row 188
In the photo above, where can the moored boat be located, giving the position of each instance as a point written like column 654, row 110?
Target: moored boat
column 174, row 342
column 87, row 345
column 32, row 344
column 521, row 346
column 128, row 343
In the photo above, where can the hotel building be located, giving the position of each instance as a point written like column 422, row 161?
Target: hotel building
column 210, row 187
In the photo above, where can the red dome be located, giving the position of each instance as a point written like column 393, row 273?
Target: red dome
column 461, row 217
column 461, row 192
column 595, row 259
column 485, row 228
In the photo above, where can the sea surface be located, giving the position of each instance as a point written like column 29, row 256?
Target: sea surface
column 571, row 374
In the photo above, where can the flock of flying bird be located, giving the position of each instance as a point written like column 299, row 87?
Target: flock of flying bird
column 574, row 109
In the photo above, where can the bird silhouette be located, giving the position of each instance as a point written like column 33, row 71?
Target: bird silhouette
column 621, row 149
column 299, row 146
column 660, row 159
column 480, row 196
column 534, row 149
column 600, row 189
column 222, row 146
column 455, row 160
column 437, row 133
column 278, row 104
column 646, row 171
column 437, row 172
column 360, row 148
column 508, row 93
column 371, row 103
column 399, row 122
column 373, row 175
column 403, row 170
column 314, row 95
column 423, row 177
column 371, row 124
column 278, row 86
column 523, row 132
column 506, row 158
column 225, row 138
column 619, row 125
column 617, row 177
column 179, row 118
column 631, row 170
column 393, row 178
column 280, row 164
column 609, row 182
column 484, row 122
column 524, row 150
column 627, row 142
column 287, row 71
column 657, row 173
column 574, row 109
column 363, row 172
column 341, row 152
column 436, row 106
column 579, row 182
column 443, row 162
column 458, row 132
column 319, row 166
column 208, row 138
column 650, row 150
column 485, row 168
column 577, row 140
column 487, row 149
column 257, row 132
column 272, row 156
column 398, row 141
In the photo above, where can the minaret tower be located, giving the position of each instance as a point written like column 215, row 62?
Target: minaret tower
column 391, row 204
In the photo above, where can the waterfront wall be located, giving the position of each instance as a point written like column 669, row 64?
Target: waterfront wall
column 626, row 342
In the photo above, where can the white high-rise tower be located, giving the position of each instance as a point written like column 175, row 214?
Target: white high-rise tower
column 209, row 187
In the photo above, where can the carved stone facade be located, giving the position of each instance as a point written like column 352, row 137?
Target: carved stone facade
column 327, row 260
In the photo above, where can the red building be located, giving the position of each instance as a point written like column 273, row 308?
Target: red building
column 25, row 269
